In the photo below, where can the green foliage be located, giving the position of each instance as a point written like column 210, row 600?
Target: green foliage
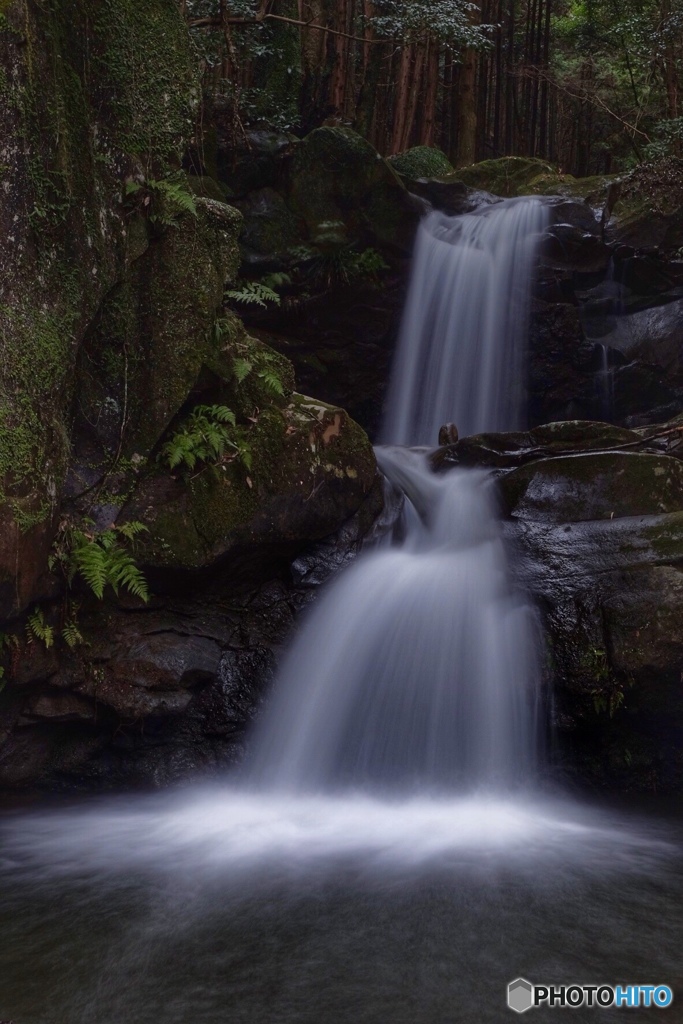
column 449, row 21
column 209, row 435
column 242, row 368
column 101, row 560
column 104, row 560
column 667, row 139
column 608, row 703
column 71, row 633
column 276, row 280
column 38, row 629
column 343, row 265
column 253, row 293
column 166, row 200
column 264, row 365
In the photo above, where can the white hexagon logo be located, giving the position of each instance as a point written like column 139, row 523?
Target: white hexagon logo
column 520, row 995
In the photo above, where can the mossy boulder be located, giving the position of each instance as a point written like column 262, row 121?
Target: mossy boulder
column 595, row 486
column 345, row 192
column 422, row 162
column 311, row 468
column 642, row 209
column 647, row 211
column 507, row 176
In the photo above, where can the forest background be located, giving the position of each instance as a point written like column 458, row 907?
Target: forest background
column 592, row 86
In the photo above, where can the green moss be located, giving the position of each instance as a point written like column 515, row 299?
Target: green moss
column 507, row 176
column 144, row 55
column 35, row 388
column 422, row 162
column 666, row 538
column 91, row 85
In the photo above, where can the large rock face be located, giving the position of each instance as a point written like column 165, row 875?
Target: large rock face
column 113, row 338
column 93, row 96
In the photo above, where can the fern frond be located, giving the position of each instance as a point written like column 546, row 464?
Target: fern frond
column 245, row 454
column 123, row 572
column 72, row 635
column 38, row 629
column 242, row 368
column 131, row 529
column 91, row 562
column 272, row 382
column 276, row 280
column 217, row 412
column 178, row 196
column 254, row 293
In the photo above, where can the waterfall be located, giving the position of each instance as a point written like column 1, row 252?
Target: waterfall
column 417, row 667
column 460, row 355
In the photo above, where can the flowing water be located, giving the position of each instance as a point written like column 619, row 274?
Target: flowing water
column 418, row 667
column 391, row 853
column 461, row 349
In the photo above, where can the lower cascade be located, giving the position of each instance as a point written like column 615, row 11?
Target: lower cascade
column 418, row 666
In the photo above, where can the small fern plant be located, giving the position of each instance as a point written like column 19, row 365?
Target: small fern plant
column 209, row 435
column 101, row 560
column 38, row 629
column 71, row 633
column 264, row 365
column 167, row 199
column 253, row 293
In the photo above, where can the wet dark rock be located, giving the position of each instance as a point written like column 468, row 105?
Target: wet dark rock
column 341, row 342
column 566, row 247
column 594, row 486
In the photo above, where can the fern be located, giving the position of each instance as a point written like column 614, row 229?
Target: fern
column 71, row 634
column 242, row 368
column 343, row 265
column 9, row 641
column 254, row 293
column 167, row 198
column 208, row 435
column 103, row 560
column 272, row 381
column 131, row 530
column 38, row 629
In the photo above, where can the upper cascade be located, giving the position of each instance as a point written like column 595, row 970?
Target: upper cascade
column 461, row 348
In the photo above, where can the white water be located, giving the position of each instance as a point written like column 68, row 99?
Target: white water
column 418, row 667
column 460, row 356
